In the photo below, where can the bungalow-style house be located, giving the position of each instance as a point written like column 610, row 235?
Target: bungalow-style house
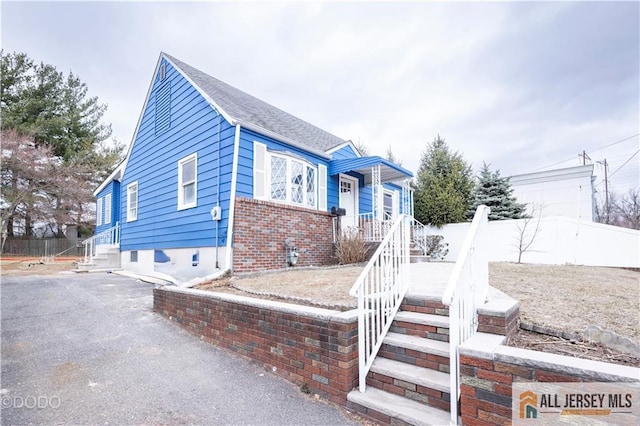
column 216, row 179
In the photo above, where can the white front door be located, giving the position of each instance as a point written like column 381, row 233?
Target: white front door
column 349, row 201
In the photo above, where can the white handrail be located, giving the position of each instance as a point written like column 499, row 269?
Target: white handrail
column 466, row 291
column 419, row 235
column 380, row 289
column 109, row 236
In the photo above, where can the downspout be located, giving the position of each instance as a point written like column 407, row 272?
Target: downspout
column 232, row 198
column 218, row 190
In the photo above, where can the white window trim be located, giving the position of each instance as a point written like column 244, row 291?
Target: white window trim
column 99, row 212
column 130, row 217
column 181, row 205
column 107, row 209
column 288, row 200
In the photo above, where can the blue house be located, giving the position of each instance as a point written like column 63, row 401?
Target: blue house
column 216, row 179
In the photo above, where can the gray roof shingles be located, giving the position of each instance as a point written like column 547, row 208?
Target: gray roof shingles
column 247, row 109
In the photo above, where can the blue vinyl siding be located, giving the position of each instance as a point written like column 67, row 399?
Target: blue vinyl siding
column 194, row 127
column 112, row 188
column 344, row 153
column 333, row 184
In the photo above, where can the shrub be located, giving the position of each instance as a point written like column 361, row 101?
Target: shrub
column 351, row 248
column 436, row 247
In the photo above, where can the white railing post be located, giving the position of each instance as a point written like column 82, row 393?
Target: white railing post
column 380, row 289
column 109, row 236
column 466, row 291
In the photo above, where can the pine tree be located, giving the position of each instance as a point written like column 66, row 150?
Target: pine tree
column 443, row 186
column 391, row 157
column 495, row 192
column 56, row 114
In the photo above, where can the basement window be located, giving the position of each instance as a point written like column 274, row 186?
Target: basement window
column 134, row 256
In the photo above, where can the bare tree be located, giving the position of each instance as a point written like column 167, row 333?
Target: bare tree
column 627, row 209
column 527, row 231
column 28, row 174
column 622, row 210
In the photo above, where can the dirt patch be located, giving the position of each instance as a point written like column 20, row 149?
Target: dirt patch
column 571, row 347
column 23, row 267
column 562, row 298
column 571, row 298
column 320, row 287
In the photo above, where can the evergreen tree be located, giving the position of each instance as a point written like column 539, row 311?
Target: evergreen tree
column 39, row 100
column 391, row 157
column 443, row 187
column 495, row 192
column 55, row 112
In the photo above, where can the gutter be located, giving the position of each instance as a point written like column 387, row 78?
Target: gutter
column 232, row 200
column 286, row 140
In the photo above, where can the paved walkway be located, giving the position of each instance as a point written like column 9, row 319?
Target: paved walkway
column 87, row 349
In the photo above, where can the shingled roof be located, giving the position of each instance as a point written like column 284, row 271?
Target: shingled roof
column 250, row 111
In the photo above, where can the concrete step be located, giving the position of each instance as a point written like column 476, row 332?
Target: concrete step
column 418, row 344
column 384, row 407
column 419, row 258
column 412, row 374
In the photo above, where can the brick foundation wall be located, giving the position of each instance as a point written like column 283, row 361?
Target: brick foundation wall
column 261, row 228
column 488, row 371
column 313, row 346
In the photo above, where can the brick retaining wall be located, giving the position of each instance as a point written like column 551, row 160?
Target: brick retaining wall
column 317, row 347
column 488, row 369
column 261, row 228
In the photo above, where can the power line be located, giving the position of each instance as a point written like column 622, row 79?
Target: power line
column 616, row 142
column 625, row 163
column 596, row 150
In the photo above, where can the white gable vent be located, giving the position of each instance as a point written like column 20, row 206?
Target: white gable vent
column 163, row 108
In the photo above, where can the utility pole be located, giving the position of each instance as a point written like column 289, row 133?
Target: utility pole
column 584, row 156
column 606, row 188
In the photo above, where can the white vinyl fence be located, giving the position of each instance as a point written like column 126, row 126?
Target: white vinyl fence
column 559, row 240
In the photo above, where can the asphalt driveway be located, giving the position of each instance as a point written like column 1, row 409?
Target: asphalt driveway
column 88, row 349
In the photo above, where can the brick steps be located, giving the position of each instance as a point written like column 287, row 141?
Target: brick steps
column 419, row 344
column 388, row 408
column 431, row 326
column 409, row 381
column 397, row 370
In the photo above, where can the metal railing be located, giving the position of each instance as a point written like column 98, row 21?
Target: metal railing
column 466, row 291
column 419, row 235
column 380, row 289
column 110, row 236
column 364, row 225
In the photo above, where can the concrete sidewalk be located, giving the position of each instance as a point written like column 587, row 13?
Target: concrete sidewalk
column 87, row 349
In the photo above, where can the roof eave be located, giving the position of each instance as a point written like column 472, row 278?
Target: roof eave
column 278, row 137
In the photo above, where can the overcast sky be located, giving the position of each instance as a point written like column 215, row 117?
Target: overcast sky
column 522, row 86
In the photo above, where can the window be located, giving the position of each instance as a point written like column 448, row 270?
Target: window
column 132, row 201
column 187, row 182
column 107, row 209
column 134, row 256
column 285, row 178
column 388, row 205
column 292, row 181
column 99, row 212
